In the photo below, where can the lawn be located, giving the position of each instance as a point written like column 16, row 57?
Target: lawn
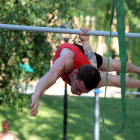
column 48, row 124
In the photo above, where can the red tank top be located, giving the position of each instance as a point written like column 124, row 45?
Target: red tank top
column 79, row 59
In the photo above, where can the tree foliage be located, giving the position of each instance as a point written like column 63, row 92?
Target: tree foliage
column 133, row 15
column 34, row 48
column 101, row 11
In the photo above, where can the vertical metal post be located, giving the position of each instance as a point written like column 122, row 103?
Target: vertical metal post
column 96, row 116
column 65, row 114
column 66, row 39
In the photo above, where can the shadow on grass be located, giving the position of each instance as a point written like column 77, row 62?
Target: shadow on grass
column 81, row 119
column 48, row 124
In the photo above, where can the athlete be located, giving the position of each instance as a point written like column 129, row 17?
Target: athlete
column 82, row 69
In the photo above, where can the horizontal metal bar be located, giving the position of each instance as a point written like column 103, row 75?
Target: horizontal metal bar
column 62, row 30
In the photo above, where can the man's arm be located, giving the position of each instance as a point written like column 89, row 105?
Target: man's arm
column 87, row 48
column 89, row 53
column 1, row 136
column 64, row 63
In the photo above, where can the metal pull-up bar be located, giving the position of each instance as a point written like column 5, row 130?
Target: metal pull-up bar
column 65, row 31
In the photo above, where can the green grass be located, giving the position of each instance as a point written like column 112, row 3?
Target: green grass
column 48, row 124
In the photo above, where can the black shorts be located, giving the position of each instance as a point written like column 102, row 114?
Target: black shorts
column 98, row 57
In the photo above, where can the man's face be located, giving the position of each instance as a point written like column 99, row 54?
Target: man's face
column 5, row 126
column 78, row 87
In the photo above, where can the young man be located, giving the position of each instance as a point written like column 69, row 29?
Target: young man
column 82, row 69
column 5, row 135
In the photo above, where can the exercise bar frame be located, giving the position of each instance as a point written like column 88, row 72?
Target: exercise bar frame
column 65, row 31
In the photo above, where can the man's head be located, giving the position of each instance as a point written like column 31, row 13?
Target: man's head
column 84, row 79
column 6, row 125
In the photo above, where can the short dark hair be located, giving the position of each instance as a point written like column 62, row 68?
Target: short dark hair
column 90, row 75
column 6, row 122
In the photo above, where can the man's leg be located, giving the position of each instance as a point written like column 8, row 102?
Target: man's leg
column 115, row 65
column 114, row 80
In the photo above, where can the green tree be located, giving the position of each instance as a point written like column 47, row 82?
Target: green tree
column 34, row 47
column 101, row 11
column 133, row 15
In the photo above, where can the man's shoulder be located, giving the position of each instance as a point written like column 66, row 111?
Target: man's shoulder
column 68, row 48
column 63, row 50
column 11, row 134
column 67, row 52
